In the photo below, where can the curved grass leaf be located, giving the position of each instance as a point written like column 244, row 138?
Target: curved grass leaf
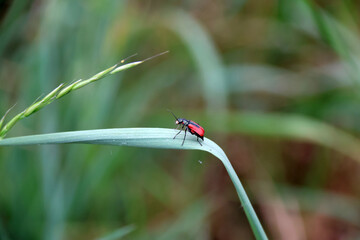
column 150, row 138
column 119, row 233
column 205, row 55
column 294, row 127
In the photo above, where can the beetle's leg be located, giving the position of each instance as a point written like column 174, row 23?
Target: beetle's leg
column 184, row 137
column 197, row 139
column 182, row 127
column 177, row 134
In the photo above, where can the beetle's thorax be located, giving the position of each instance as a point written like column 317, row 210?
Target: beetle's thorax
column 182, row 121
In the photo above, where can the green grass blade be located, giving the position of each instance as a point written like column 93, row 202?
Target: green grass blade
column 119, row 233
column 150, row 138
column 297, row 127
column 205, row 55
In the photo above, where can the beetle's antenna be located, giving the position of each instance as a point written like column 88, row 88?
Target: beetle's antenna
column 172, row 114
column 159, row 54
column 122, row 61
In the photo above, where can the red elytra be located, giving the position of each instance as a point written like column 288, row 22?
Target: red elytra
column 196, row 129
column 191, row 127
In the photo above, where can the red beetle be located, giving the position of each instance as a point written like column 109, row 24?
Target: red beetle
column 190, row 126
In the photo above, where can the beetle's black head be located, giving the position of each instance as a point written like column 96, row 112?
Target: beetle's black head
column 182, row 121
column 179, row 121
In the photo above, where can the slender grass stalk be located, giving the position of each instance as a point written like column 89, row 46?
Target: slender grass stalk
column 61, row 91
column 119, row 233
column 150, row 138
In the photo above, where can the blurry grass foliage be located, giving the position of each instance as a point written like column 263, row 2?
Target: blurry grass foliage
column 297, row 58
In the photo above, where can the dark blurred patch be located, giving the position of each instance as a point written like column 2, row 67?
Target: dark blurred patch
column 4, row 8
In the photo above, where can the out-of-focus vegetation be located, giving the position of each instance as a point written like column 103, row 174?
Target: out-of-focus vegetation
column 275, row 83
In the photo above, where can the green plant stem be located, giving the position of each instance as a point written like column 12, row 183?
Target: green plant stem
column 61, row 91
column 249, row 210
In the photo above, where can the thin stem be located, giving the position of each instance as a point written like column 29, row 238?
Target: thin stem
column 62, row 90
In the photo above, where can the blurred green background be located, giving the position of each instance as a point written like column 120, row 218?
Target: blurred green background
column 274, row 83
